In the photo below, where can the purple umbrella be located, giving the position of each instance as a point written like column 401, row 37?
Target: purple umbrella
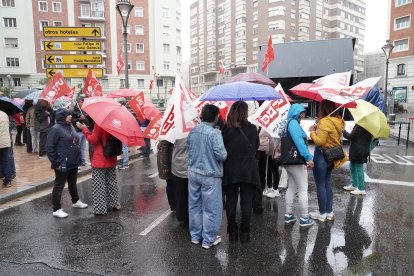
column 252, row 77
column 241, row 91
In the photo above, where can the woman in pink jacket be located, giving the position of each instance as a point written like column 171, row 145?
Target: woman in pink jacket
column 104, row 184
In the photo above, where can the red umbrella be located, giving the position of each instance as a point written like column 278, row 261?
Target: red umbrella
column 150, row 111
column 309, row 91
column 252, row 77
column 115, row 119
column 123, row 93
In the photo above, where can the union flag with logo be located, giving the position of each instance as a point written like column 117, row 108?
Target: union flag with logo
column 54, row 89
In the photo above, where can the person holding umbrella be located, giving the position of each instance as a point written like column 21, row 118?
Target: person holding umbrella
column 104, row 184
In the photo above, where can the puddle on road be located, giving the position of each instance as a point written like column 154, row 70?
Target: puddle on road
column 96, row 233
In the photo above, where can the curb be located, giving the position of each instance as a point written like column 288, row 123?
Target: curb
column 46, row 183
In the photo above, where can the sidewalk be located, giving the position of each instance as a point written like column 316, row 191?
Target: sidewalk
column 34, row 173
column 404, row 129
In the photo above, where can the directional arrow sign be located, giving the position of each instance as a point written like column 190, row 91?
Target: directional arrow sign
column 72, row 31
column 74, row 72
column 73, row 59
column 72, row 45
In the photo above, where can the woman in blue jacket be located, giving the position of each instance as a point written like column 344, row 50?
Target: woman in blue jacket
column 297, row 174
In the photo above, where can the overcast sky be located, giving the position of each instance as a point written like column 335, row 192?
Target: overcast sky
column 375, row 25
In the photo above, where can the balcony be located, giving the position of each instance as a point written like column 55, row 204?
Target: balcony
column 92, row 16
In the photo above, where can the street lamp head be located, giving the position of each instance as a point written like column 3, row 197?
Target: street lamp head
column 124, row 8
column 387, row 48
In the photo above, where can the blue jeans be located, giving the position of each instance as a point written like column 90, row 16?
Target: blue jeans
column 205, row 207
column 322, row 173
column 125, row 156
column 11, row 160
column 5, row 164
column 147, row 149
column 82, row 144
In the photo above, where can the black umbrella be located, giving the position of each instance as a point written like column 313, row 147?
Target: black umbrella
column 24, row 93
column 9, row 107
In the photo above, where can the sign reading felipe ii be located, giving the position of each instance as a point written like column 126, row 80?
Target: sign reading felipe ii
column 72, row 31
column 74, row 72
column 73, row 59
column 72, row 45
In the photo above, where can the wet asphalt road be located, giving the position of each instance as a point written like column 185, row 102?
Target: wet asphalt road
column 371, row 235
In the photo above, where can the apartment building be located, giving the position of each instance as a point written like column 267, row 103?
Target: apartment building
column 374, row 66
column 233, row 30
column 22, row 54
column 401, row 63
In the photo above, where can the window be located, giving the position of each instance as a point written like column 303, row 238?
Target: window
column 16, row 82
column 139, row 30
column 140, row 48
column 12, row 62
column 141, row 83
column 241, row 46
column 57, row 23
column 11, row 42
column 85, row 10
column 129, row 65
column 401, row 69
column 128, row 47
column 42, row 6
column 140, row 65
column 160, row 82
column 7, row 3
column 178, row 50
column 165, row 30
column 402, row 22
column 401, row 45
column 166, row 65
column 402, row 2
column 241, row 20
column 9, row 22
column 57, row 6
column 304, row 15
column 139, row 12
column 165, row 12
column 166, row 48
column 43, row 24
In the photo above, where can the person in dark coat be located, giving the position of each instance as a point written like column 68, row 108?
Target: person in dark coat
column 241, row 170
column 164, row 158
column 26, row 130
column 42, row 124
column 359, row 149
column 64, row 155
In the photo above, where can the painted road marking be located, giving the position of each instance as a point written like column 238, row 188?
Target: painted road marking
column 389, row 182
column 155, row 223
column 153, row 175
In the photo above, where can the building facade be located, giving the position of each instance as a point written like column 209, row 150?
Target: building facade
column 401, row 63
column 232, row 31
column 152, row 53
column 374, row 66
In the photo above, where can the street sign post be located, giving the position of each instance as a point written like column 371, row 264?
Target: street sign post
column 72, row 31
column 73, row 59
column 72, row 45
column 74, row 72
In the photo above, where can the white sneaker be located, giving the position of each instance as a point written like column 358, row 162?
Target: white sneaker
column 79, row 204
column 273, row 194
column 318, row 216
column 217, row 241
column 265, row 191
column 349, row 188
column 330, row 216
column 60, row 214
column 358, row 192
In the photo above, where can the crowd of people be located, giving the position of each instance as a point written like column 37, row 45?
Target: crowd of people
column 216, row 164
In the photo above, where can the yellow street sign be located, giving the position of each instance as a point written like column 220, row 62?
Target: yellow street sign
column 73, row 59
column 72, row 45
column 74, row 72
column 72, row 31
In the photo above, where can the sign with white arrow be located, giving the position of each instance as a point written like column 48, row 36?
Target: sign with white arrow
column 72, row 31
column 72, row 45
column 73, row 59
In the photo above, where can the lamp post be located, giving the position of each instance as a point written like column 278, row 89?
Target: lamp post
column 387, row 48
column 124, row 7
column 9, row 78
column 157, row 76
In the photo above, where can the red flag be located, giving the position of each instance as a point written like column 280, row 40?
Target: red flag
column 269, row 55
column 54, row 89
column 222, row 68
column 92, row 87
column 120, row 62
column 151, row 83
column 153, row 129
column 137, row 104
column 71, row 93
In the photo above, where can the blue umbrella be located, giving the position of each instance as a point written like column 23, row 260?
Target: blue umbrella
column 241, row 91
column 374, row 97
column 34, row 95
column 9, row 107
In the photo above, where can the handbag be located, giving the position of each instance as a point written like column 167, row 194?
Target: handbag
column 289, row 152
column 333, row 154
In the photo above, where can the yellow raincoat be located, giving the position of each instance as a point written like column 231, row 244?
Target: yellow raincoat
column 328, row 134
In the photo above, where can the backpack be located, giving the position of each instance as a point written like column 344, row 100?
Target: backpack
column 113, row 147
